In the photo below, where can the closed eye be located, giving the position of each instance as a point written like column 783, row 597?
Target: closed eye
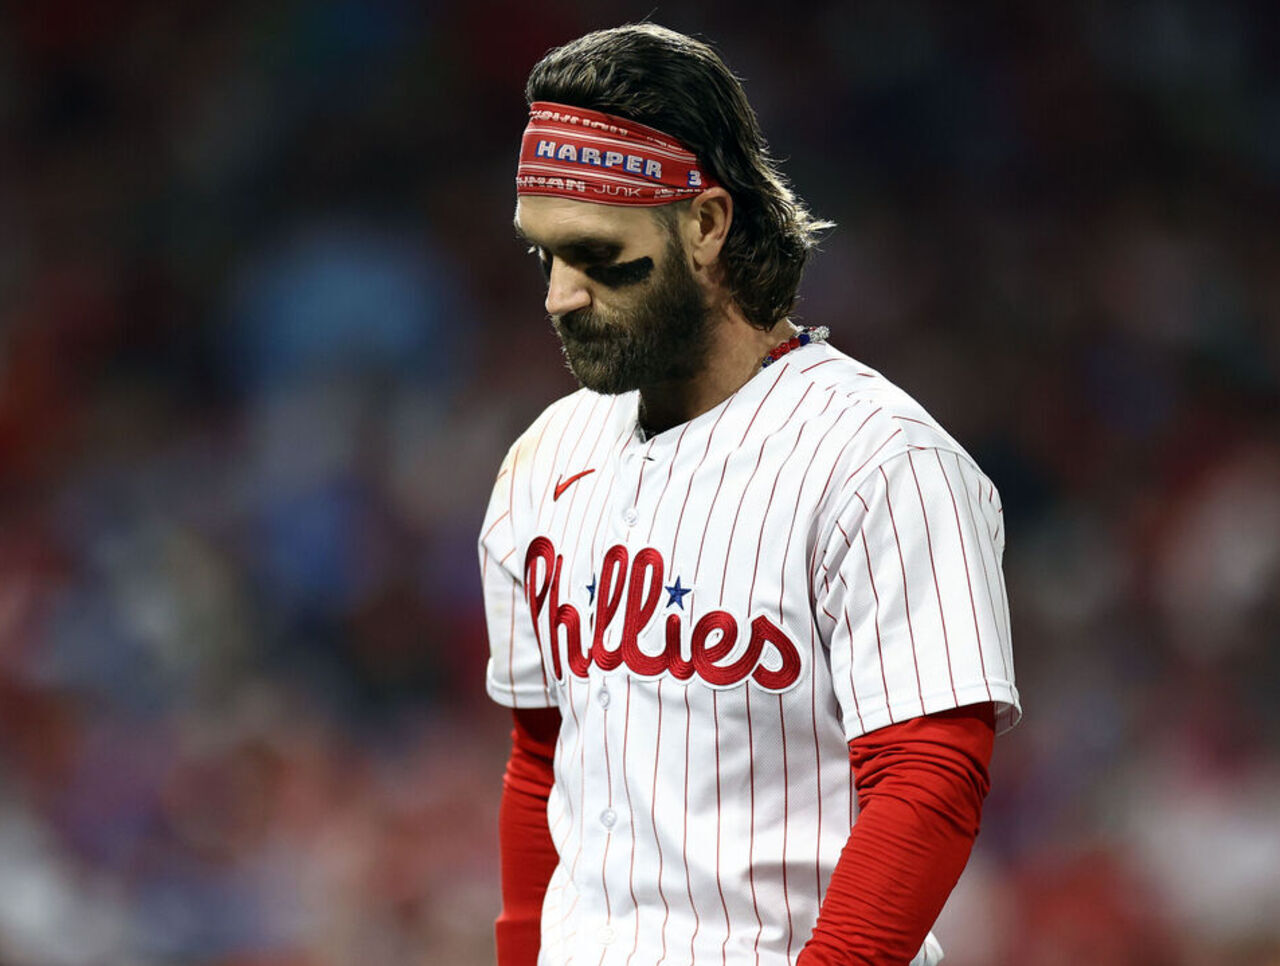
column 622, row 274
column 598, row 264
column 544, row 260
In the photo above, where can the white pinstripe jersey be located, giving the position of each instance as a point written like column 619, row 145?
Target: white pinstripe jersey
column 716, row 611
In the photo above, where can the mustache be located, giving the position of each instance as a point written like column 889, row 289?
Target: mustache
column 583, row 325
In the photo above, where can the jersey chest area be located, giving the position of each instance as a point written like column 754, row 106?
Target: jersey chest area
column 667, row 568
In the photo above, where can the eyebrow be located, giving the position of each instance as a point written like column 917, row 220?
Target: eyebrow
column 578, row 248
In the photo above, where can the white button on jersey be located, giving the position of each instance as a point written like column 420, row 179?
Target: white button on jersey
column 606, row 935
column 810, row 560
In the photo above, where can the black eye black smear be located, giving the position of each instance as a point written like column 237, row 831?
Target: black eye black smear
column 622, row 274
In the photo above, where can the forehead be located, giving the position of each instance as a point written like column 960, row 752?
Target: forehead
column 555, row 222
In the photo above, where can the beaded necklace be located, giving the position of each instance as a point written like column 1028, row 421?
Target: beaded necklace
column 803, row 337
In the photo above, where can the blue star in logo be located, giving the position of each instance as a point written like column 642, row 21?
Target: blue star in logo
column 676, row 594
column 591, row 589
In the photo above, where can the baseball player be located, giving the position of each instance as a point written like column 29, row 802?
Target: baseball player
column 744, row 595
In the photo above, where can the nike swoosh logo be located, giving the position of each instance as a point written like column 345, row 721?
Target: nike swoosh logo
column 563, row 484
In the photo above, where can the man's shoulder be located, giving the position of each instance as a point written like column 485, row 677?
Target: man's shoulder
column 548, row 414
column 563, row 425
column 873, row 417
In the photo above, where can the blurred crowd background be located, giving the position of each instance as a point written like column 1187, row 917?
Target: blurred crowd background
column 265, row 333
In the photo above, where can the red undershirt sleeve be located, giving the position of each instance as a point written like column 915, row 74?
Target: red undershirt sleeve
column 921, row 784
column 526, row 852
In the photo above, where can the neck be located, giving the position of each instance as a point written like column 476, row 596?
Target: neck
column 734, row 356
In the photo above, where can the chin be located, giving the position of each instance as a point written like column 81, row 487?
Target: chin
column 606, row 384
column 599, row 376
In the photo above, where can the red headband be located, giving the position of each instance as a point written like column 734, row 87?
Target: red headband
column 585, row 155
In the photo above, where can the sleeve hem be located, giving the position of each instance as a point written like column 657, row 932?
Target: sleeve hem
column 520, row 697
column 1002, row 693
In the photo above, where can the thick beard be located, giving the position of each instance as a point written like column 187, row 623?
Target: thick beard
column 664, row 339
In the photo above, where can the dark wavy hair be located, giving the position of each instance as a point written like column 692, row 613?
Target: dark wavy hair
column 680, row 86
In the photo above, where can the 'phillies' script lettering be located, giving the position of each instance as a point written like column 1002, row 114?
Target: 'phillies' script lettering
column 639, row 581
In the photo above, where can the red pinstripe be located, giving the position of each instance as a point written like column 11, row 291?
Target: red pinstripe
column 595, row 482
column 816, row 364
column 500, row 518
column 991, row 499
column 537, row 448
column 671, row 465
column 782, row 372
column 755, row 570
column 968, row 574
column 986, row 575
column 608, row 839
column 933, row 569
column 997, row 613
column 684, row 844
column 817, row 759
column 918, row 422
column 511, row 651
column 573, row 460
column 657, row 841
column 675, row 540
column 715, row 715
column 511, row 641
column 813, row 560
column 624, row 438
column 786, row 821
column 778, row 476
column 626, row 788
column 511, row 488
column 848, row 629
column 697, row 567
column 849, row 442
column 555, row 458
column 906, row 600
column 582, row 801
column 724, row 577
column 751, row 834
column 875, row 595
column 826, row 485
column 867, row 461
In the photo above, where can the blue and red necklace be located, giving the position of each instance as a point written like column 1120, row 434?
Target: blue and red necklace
column 805, row 336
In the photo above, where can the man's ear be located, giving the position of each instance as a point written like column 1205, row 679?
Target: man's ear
column 710, row 215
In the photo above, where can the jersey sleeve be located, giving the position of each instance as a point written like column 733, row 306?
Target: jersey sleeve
column 910, row 595
column 516, row 676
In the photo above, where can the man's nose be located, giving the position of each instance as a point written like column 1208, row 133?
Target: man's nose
column 566, row 289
